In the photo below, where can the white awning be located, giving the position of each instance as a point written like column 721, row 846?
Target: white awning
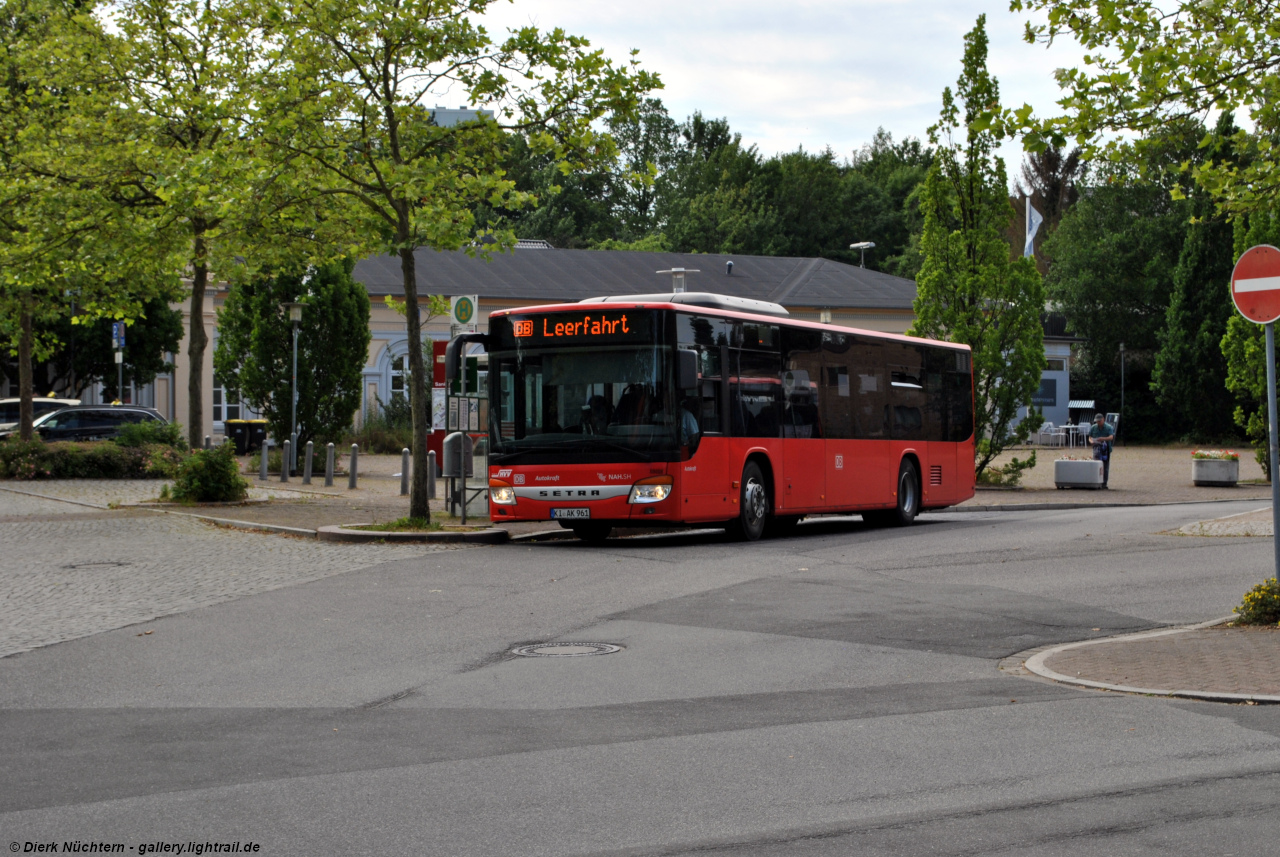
column 1080, row 403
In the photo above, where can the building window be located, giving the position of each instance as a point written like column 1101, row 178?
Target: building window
column 1056, row 365
column 226, row 405
column 399, row 378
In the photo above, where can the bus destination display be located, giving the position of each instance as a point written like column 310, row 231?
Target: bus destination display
column 622, row 326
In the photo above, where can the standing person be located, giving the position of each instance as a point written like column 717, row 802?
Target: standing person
column 1101, row 436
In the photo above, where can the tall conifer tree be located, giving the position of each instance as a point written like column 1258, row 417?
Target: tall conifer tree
column 969, row 289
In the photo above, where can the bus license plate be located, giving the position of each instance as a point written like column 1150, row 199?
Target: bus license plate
column 570, row 513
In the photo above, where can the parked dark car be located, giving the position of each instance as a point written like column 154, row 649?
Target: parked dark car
column 91, row 422
column 40, row 406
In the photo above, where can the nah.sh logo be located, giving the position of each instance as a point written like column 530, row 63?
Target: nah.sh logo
column 518, row 479
column 503, row 474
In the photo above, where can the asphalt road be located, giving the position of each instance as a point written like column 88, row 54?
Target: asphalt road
column 833, row 693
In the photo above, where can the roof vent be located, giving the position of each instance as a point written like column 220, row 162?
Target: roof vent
column 728, row 268
column 533, row 244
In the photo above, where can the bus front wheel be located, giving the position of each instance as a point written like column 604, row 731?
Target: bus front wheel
column 753, row 505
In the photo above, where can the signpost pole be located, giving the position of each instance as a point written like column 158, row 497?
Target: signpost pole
column 1255, row 290
column 1273, row 442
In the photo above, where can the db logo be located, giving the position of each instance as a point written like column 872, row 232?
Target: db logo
column 518, row 479
column 503, row 474
column 522, row 328
column 839, row 462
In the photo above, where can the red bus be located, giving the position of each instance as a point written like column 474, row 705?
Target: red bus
column 703, row 409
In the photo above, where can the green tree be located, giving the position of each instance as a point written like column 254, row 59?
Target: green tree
column 1244, row 345
column 1149, row 64
column 65, row 232
column 85, row 355
column 254, row 354
column 358, row 75
column 1190, row 368
column 969, row 289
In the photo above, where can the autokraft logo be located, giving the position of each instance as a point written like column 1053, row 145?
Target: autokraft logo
column 518, row 479
column 503, row 474
column 546, row 479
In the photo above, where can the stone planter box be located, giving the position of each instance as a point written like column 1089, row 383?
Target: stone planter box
column 1215, row 472
column 1077, row 474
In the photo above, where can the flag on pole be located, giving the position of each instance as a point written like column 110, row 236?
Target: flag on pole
column 1034, row 219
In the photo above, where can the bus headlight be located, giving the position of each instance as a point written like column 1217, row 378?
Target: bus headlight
column 655, row 489
column 501, row 493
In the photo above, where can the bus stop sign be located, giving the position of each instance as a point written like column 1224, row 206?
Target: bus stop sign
column 1255, row 284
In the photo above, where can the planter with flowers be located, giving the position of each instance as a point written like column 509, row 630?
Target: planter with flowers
column 1215, row 468
column 1070, row 472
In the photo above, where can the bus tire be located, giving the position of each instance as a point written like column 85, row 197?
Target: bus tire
column 908, row 496
column 592, row 533
column 908, row 500
column 754, row 505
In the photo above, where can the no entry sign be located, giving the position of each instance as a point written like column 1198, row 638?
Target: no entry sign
column 1255, row 284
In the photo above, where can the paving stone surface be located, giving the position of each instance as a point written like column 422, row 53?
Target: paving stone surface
column 1214, row 660
column 1139, row 475
column 70, row 572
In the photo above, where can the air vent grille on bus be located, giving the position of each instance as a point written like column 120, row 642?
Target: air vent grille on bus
column 935, row 474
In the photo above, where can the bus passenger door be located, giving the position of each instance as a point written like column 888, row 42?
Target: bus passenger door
column 705, row 481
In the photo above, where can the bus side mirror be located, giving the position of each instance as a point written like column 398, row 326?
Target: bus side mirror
column 686, row 369
column 453, row 352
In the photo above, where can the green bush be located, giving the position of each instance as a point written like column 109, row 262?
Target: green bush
column 148, row 433
column 210, row 476
column 1261, row 605
column 385, row 430
column 98, row 460
column 1009, row 476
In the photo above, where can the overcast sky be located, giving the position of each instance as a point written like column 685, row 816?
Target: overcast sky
column 810, row 73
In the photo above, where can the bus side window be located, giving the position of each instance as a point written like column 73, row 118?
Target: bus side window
column 709, row 378
column 906, row 391
column 755, row 394
column 868, row 389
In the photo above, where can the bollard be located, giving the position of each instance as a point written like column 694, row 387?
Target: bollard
column 284, row 463
column 431, row 475
column 306, row 465
column 328, row 466
column 293, row 453
column 404, row 471
column 265, row 452
column 208, row 444
column 355, row 454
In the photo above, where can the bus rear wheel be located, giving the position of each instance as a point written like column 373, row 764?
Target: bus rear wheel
column 908, row 500
column 592, row 533
column 754, row 505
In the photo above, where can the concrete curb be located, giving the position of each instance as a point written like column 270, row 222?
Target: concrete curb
column 334, row 533
column 239, row 525
column 1036, row 664
column 555, row 535
column 1058, row 507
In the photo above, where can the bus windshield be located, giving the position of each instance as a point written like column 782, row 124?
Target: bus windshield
column 589, row 395
column 608, row 399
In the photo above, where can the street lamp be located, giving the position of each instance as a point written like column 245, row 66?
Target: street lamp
column 295, row 316
column 863, row 246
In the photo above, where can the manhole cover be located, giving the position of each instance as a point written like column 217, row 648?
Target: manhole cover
column 565, row 650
